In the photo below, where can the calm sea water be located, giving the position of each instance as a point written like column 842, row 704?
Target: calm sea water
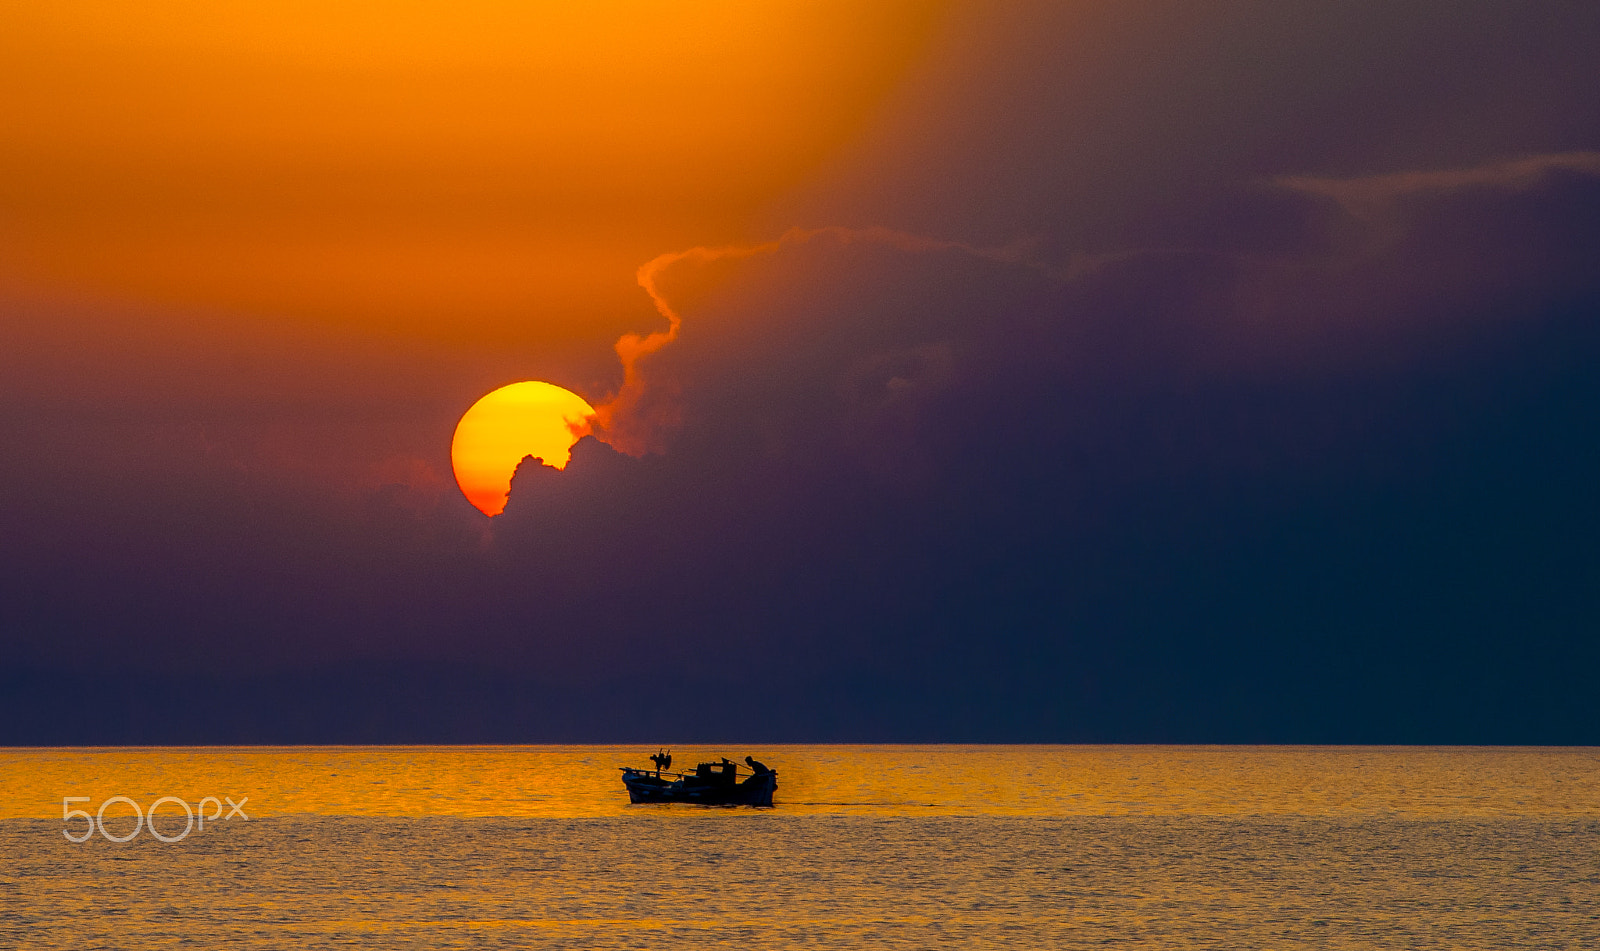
column 867, row 847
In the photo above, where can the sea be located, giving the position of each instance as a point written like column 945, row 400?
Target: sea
column 1048, row 847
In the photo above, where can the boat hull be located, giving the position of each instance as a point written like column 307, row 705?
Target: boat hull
column 646, row 787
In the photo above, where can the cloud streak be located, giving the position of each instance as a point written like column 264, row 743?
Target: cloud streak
column 630, row 422
column 1361, row 196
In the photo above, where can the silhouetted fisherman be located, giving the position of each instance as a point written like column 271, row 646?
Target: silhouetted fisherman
column 755, row 767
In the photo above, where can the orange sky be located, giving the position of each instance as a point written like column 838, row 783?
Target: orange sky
column 473, row 171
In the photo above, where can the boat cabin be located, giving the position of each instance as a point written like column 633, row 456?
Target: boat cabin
column 717, row 774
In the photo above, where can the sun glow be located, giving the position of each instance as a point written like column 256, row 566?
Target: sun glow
column 524, row 419
column 425, row 168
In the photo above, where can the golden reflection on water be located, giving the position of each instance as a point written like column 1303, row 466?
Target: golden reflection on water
column 1028, row 847
column 1039, row 781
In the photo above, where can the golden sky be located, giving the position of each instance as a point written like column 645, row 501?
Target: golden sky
column 470, row 171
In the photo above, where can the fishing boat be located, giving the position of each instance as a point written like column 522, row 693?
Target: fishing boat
column 711, row 784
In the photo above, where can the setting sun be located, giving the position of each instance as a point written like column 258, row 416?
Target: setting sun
column 524, row 419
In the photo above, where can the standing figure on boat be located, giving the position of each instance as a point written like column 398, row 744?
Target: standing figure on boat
column 755, row 766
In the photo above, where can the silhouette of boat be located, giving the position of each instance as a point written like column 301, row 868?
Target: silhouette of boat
column 711, row 784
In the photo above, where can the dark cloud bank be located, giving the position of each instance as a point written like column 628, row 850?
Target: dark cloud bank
column 1313, row 460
